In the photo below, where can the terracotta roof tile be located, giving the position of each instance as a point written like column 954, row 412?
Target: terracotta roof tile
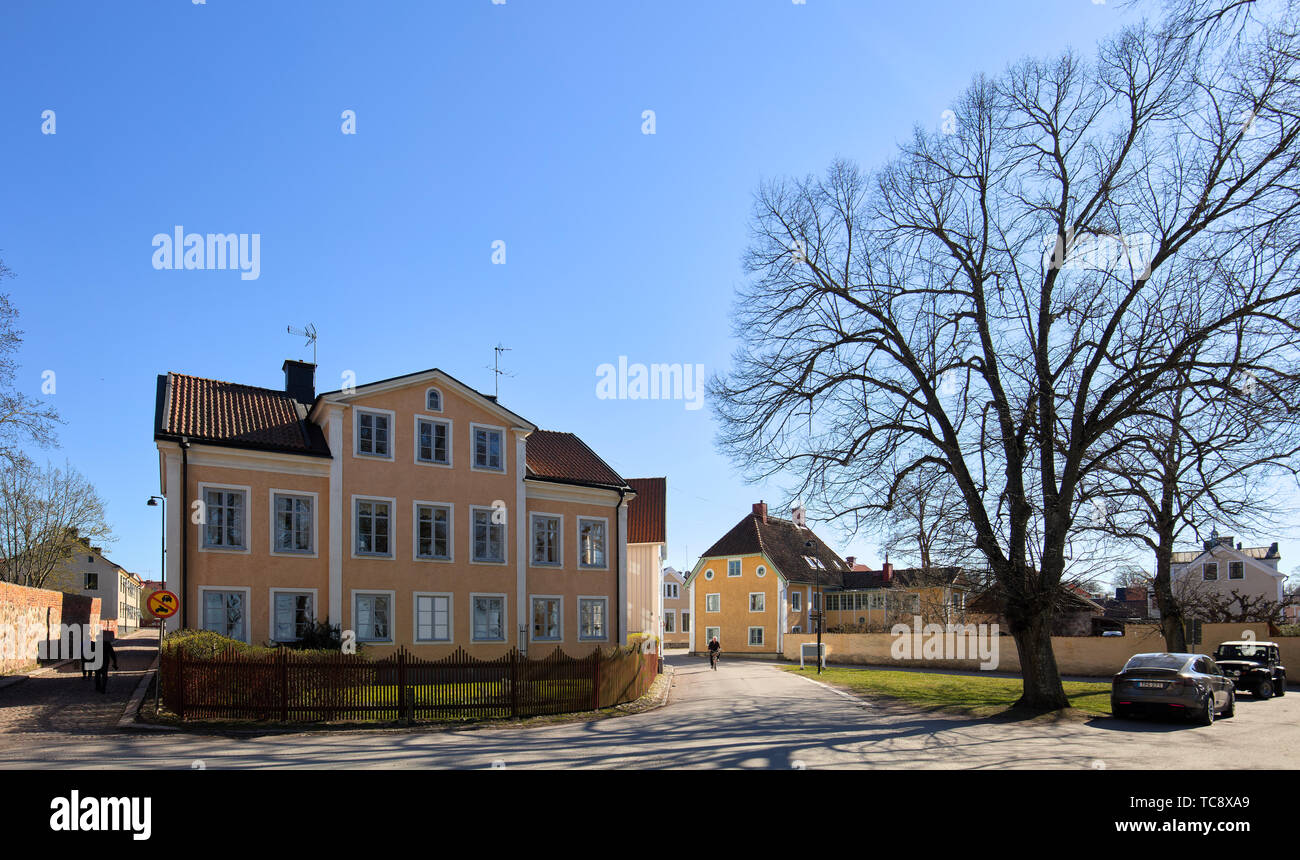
column 564, row 457
column 647, row 516
column 208, row 410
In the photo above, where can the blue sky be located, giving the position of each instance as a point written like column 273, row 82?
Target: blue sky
column 476, row 122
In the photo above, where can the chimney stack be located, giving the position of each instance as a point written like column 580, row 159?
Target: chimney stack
column 300, row 380
column 887, row 572
column 760, row 511
column 800, row 516
column 849, row 559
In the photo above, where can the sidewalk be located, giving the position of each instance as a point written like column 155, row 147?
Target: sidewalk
column 60, row 699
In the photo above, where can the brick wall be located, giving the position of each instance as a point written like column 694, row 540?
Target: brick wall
column 30, row 616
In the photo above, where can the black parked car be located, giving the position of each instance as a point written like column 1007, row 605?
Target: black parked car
column 1187, row 684
column 1253, row 666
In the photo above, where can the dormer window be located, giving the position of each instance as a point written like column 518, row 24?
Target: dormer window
column 433, row 400
column 814, row 562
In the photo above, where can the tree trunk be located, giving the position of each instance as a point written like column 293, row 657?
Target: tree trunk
column 1171, row 613
column 1042, row 681
column 1030, row 613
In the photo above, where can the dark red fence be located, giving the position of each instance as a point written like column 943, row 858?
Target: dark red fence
column 290, row 687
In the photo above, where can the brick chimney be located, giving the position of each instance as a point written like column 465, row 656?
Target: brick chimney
column 300, row 380
column 887, row 572
column 849, row 560
column 760, row 511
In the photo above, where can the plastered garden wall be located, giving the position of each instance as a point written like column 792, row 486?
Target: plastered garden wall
column 1088, row 656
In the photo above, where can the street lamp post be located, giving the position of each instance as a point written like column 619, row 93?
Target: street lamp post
column 821, row 610
column 154, row 502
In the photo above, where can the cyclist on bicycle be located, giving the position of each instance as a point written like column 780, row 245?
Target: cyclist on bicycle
column 714, row 650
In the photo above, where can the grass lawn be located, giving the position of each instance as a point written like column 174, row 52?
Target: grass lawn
column 968, row 694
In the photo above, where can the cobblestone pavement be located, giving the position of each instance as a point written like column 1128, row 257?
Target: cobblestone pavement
column 64, row 701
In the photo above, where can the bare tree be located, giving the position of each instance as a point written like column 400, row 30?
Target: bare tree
column 23, row 419
column 999, row 300
column 46, row 515
column 928, row 525
column 1200, row 455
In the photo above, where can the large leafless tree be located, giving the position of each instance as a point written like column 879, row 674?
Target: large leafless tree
column 46, row 516
column 995, row 302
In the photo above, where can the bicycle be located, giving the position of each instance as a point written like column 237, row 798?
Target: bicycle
column 714, row 656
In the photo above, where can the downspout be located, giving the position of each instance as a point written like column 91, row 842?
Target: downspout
column 185, row 536
column 619, row 636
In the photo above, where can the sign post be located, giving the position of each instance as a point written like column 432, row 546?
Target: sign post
column 162, row 605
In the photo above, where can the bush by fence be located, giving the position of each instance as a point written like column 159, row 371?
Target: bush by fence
column 288, row 686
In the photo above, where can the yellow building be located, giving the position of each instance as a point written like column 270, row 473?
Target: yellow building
column 759, row 582
column 767, row 577
column 413, row 511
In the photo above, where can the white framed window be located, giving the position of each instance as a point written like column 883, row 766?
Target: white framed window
column 1236, row 570
column 592, row 613
column 546, row 543
column 372, row 527
column 225, row 611
column 433, row 400
column 756, row 636
column 489, row 444
column 432, row 441
column 876, row 600
column 708, row 574
column 733, row 567
column 489, row 536
column 432, row 531
column 1210, row 571
column 374, row 433
column 433, row 617
column 372, row 615
column 489, row 611
column 796, row 601
column 293, row 612
column 293, row 523
column 761, row 572
column 670, row 620
column 686, row 621
column 713, row 603
column 671, row 591
column 591, row 543
column 757, row 601
column 548, row 617
column 711, row 633
column 225, row 511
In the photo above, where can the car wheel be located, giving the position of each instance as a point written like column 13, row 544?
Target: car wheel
column 1281, row 687
column 1264, row 689
column 1231, row 710
column 1206, row 715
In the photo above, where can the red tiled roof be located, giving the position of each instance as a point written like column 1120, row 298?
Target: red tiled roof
column 564, row 457
column 208, row 410
column 647, row 515
column 784, row 543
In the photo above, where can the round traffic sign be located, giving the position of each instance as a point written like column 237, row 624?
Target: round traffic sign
column 163, row 604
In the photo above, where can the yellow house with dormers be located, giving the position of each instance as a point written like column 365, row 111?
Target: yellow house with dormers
column 759, row 582
column 413, row 511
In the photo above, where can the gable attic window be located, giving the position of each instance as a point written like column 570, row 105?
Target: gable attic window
column 433, row 400
column 1210, row 571
column 1236, row 570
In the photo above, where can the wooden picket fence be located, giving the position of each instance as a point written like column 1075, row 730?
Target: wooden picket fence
column 293, row 688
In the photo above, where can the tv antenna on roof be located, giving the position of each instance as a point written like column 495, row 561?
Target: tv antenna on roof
column 310, row 333
column 497, row 372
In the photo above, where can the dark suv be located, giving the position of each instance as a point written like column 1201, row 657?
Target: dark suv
column 1253, row 666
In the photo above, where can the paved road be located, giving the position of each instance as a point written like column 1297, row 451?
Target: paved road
column 745, row 715
column 64, row 702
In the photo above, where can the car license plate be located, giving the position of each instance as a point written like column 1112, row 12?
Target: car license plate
column 1159, row 685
